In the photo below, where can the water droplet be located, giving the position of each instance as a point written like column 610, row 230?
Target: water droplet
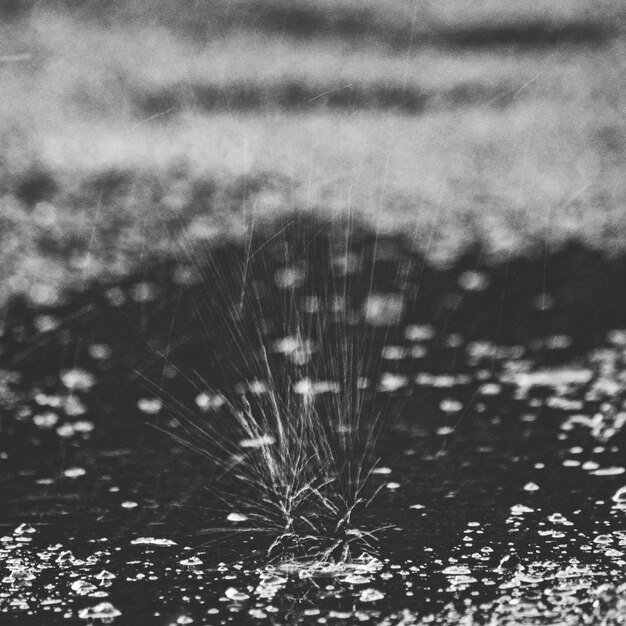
column 413, row 332
column 617, row 337
column 77, row 379
column 393, row 353
column 290, row 277
column 100, row 351
column 490, row 389
column 152, row 541
column 608, row 471
column 236, row 595
column 620, row 495
column 371, row 595
column 149, row 406
column 74, row 406
column 144, row 292
column 520, row 509
column 46, row 323
column 210, row 402
column 104, row 611
column 544, row 302
column 24, row 529
column 392, row 382
column 385, row 471
column 74, row 472
column 82, row 587
column 65, row 558
column 473, row 281
column 257, row 442
column 558, row 518
column 356, row 579
column 457, row 570
column 105, row 577
column 45, row 420
column 509, row 561
column 383, row 309
column 450, row 405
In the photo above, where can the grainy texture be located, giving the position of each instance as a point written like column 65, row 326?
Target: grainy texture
column 128, row 129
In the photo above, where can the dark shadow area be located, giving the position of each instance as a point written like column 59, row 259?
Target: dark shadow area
column 310, row 21
column 302, row 96
column 36, row 186
column 200, row 20
column 488, row 377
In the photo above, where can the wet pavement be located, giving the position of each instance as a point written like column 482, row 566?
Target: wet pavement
column 499, row 492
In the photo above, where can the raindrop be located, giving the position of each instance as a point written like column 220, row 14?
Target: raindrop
column 236, row 595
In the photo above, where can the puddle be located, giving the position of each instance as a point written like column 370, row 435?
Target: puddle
column 498, row 395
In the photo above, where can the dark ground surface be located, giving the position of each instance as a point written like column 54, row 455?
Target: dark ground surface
column 501, row 391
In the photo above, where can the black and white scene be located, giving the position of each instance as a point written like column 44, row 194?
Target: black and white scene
column 312, row 312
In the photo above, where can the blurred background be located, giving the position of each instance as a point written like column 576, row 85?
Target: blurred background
column 125, row 124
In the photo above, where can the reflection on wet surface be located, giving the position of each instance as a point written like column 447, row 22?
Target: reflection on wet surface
column 501, row 476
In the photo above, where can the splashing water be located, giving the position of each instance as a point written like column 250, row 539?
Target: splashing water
column 293, row 439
